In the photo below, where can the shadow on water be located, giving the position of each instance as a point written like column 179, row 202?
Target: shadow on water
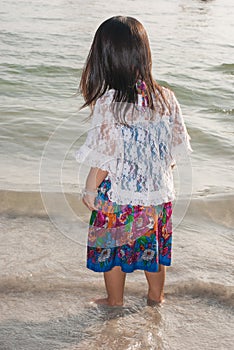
column 83, row 330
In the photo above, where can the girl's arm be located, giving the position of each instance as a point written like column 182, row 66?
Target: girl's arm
column 94, row 179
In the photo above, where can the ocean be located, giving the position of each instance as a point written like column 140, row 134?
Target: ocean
column 45, row 288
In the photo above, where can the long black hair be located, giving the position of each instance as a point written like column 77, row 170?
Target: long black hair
column 120, row 55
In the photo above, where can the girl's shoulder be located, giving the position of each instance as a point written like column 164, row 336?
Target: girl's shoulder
column 166, row 92
column 167, row 98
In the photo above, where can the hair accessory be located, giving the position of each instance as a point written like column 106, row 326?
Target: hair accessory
column 141, row 89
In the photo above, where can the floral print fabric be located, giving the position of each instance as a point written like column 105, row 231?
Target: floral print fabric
column 133, row 237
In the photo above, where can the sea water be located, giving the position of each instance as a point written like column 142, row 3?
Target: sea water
column 45, row 289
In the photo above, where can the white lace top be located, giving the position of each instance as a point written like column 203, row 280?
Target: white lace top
column 138, row 157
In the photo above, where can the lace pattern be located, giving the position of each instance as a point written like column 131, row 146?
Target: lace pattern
column 138, row 157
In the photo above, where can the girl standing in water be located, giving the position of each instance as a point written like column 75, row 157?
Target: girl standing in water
column 137, row 134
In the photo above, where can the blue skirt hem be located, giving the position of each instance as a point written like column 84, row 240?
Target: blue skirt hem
column 128, row 268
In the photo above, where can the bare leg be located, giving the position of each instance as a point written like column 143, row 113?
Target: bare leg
column 156, row 282
column 114, row 281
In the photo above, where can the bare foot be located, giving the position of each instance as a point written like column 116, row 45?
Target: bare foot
column 151, row 302
column 102, row 301
column 105, row 301
column 157, row 301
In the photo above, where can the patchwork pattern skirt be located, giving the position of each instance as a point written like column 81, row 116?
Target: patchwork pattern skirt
column 132, row 237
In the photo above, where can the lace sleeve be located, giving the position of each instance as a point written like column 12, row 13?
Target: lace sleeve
column 180, row 138
column 100, row 147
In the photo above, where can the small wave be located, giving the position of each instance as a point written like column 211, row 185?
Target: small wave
column 39, row 284
column 219, row 110
column 213, row 206
column 7, row 83
column 41, row 70
column 21, row 203
column 191, row 288
column 201, row 289
column 211, row 142
column 30, row 203
column 227, row 68
column 218, row 208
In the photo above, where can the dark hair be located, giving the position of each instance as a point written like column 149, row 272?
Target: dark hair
column 119, row 56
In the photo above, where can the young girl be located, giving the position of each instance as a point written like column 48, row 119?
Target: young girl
column 137, row 134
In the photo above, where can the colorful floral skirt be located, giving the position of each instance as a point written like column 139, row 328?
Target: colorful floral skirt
column 133, row 237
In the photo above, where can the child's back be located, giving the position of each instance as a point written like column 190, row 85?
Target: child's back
column 136, row 136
